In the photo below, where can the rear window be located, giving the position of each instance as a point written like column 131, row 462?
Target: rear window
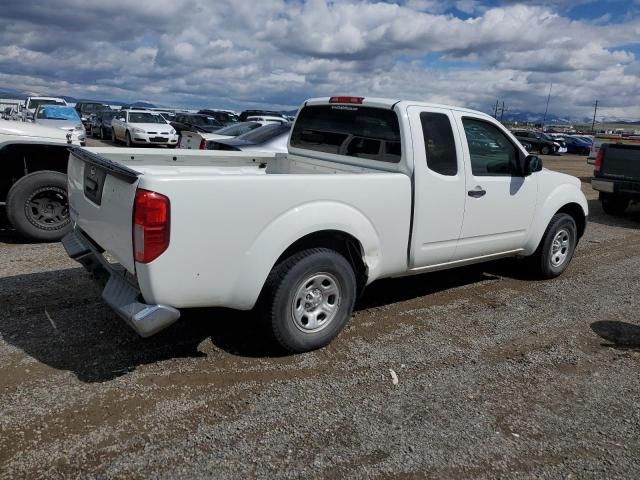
column 362, row 132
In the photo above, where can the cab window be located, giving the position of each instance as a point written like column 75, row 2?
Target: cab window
column 491, row 151
column 439, row 144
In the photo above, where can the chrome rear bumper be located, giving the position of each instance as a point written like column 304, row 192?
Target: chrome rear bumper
column 119, row 293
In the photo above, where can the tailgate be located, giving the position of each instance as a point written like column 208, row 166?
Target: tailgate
column 621, row 161
column 101, row 196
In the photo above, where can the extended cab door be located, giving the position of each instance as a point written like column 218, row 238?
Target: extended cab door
column 439, row 186
column 500, row 201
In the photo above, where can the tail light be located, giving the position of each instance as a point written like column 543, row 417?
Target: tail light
column 203, row 144
column 356, row 100
column 151, row 225
column 599, row 157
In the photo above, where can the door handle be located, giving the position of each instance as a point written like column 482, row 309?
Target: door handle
column 477, row 192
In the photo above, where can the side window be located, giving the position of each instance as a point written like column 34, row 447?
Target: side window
column 492, row 153
column 439, row 143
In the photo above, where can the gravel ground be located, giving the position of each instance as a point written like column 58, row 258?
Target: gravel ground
column 499, row 376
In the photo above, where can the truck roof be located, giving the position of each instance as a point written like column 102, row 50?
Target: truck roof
column 388, row 103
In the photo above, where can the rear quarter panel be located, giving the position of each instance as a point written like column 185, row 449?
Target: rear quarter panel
column 228, row 232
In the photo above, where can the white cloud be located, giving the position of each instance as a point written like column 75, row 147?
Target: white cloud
column 276, row 52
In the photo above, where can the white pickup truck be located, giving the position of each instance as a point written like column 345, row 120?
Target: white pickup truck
column 370, row 188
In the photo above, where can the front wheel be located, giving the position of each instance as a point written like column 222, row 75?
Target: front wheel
column 114, row 139
column 545, row 150
column 102, row 135
column 37, row 206
column 127, row 138
column 308, row 299
column 556, row 247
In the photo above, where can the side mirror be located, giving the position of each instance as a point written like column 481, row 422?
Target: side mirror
column 532, row 164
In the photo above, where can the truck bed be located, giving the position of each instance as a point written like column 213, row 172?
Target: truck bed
column 215, row 250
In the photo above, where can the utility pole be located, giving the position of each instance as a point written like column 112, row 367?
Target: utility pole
column 544, row 120
column 593, row 124
column 495, row 112
column 502, row 111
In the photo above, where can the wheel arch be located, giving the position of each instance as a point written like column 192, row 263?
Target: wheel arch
column 20, row 159
column 566, row 198
column 337, row 226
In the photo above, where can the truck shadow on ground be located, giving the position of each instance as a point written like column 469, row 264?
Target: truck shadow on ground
column 629, row 219
column 59, row 319
column 619, row 335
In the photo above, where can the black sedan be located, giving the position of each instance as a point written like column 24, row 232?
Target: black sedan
column 195, row 122
column 536, row 140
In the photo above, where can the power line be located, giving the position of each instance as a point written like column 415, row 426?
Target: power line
column 544, row 120
column 593, row 124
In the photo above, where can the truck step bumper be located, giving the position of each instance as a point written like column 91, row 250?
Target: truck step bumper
column 123, row 297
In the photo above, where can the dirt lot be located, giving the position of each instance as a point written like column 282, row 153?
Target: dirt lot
column 500, row 376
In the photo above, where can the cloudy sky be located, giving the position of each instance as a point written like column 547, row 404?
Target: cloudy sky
column 250, row 53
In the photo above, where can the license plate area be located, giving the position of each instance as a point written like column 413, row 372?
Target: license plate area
column 159, row 139
column 94, row 182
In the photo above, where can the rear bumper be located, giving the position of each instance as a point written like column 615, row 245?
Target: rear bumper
column 119, row 293
column 625, row 188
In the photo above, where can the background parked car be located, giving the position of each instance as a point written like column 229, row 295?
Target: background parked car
column 195, row 122
column 100, row 123
column 257, row 113
column 198, row 140
column 558, row 141
column 85, row 109
column 577, row 145
column 142, row 127
column 27, row 110
column 62, row 117
column 267, row 119
column 225, row 117
column 537, row 142
column 268, row 138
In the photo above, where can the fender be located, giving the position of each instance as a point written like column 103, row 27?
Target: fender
column 560, row 196
column 289, row 227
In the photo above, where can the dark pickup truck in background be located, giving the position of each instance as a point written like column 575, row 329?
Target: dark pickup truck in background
column 617, row 176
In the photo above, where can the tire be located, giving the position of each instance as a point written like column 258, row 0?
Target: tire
column 114, row 139
column 544, row 150
column 102, row 135
column 37, row 206
column 613, row 205
column 127, row 139
column 323, row 278
column 556, row 248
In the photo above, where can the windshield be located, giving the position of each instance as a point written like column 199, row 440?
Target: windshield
column 57, row 112
column 353, row 131
column 144, row 117
column 238, row 129
column 264, row 133
column 36, row 103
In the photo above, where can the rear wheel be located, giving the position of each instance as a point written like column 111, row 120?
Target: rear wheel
column 556, row 247
column 613, row 205
column 37, row 206
column 309, row 298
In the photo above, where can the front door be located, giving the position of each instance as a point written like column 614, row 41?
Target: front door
column 500, row 201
